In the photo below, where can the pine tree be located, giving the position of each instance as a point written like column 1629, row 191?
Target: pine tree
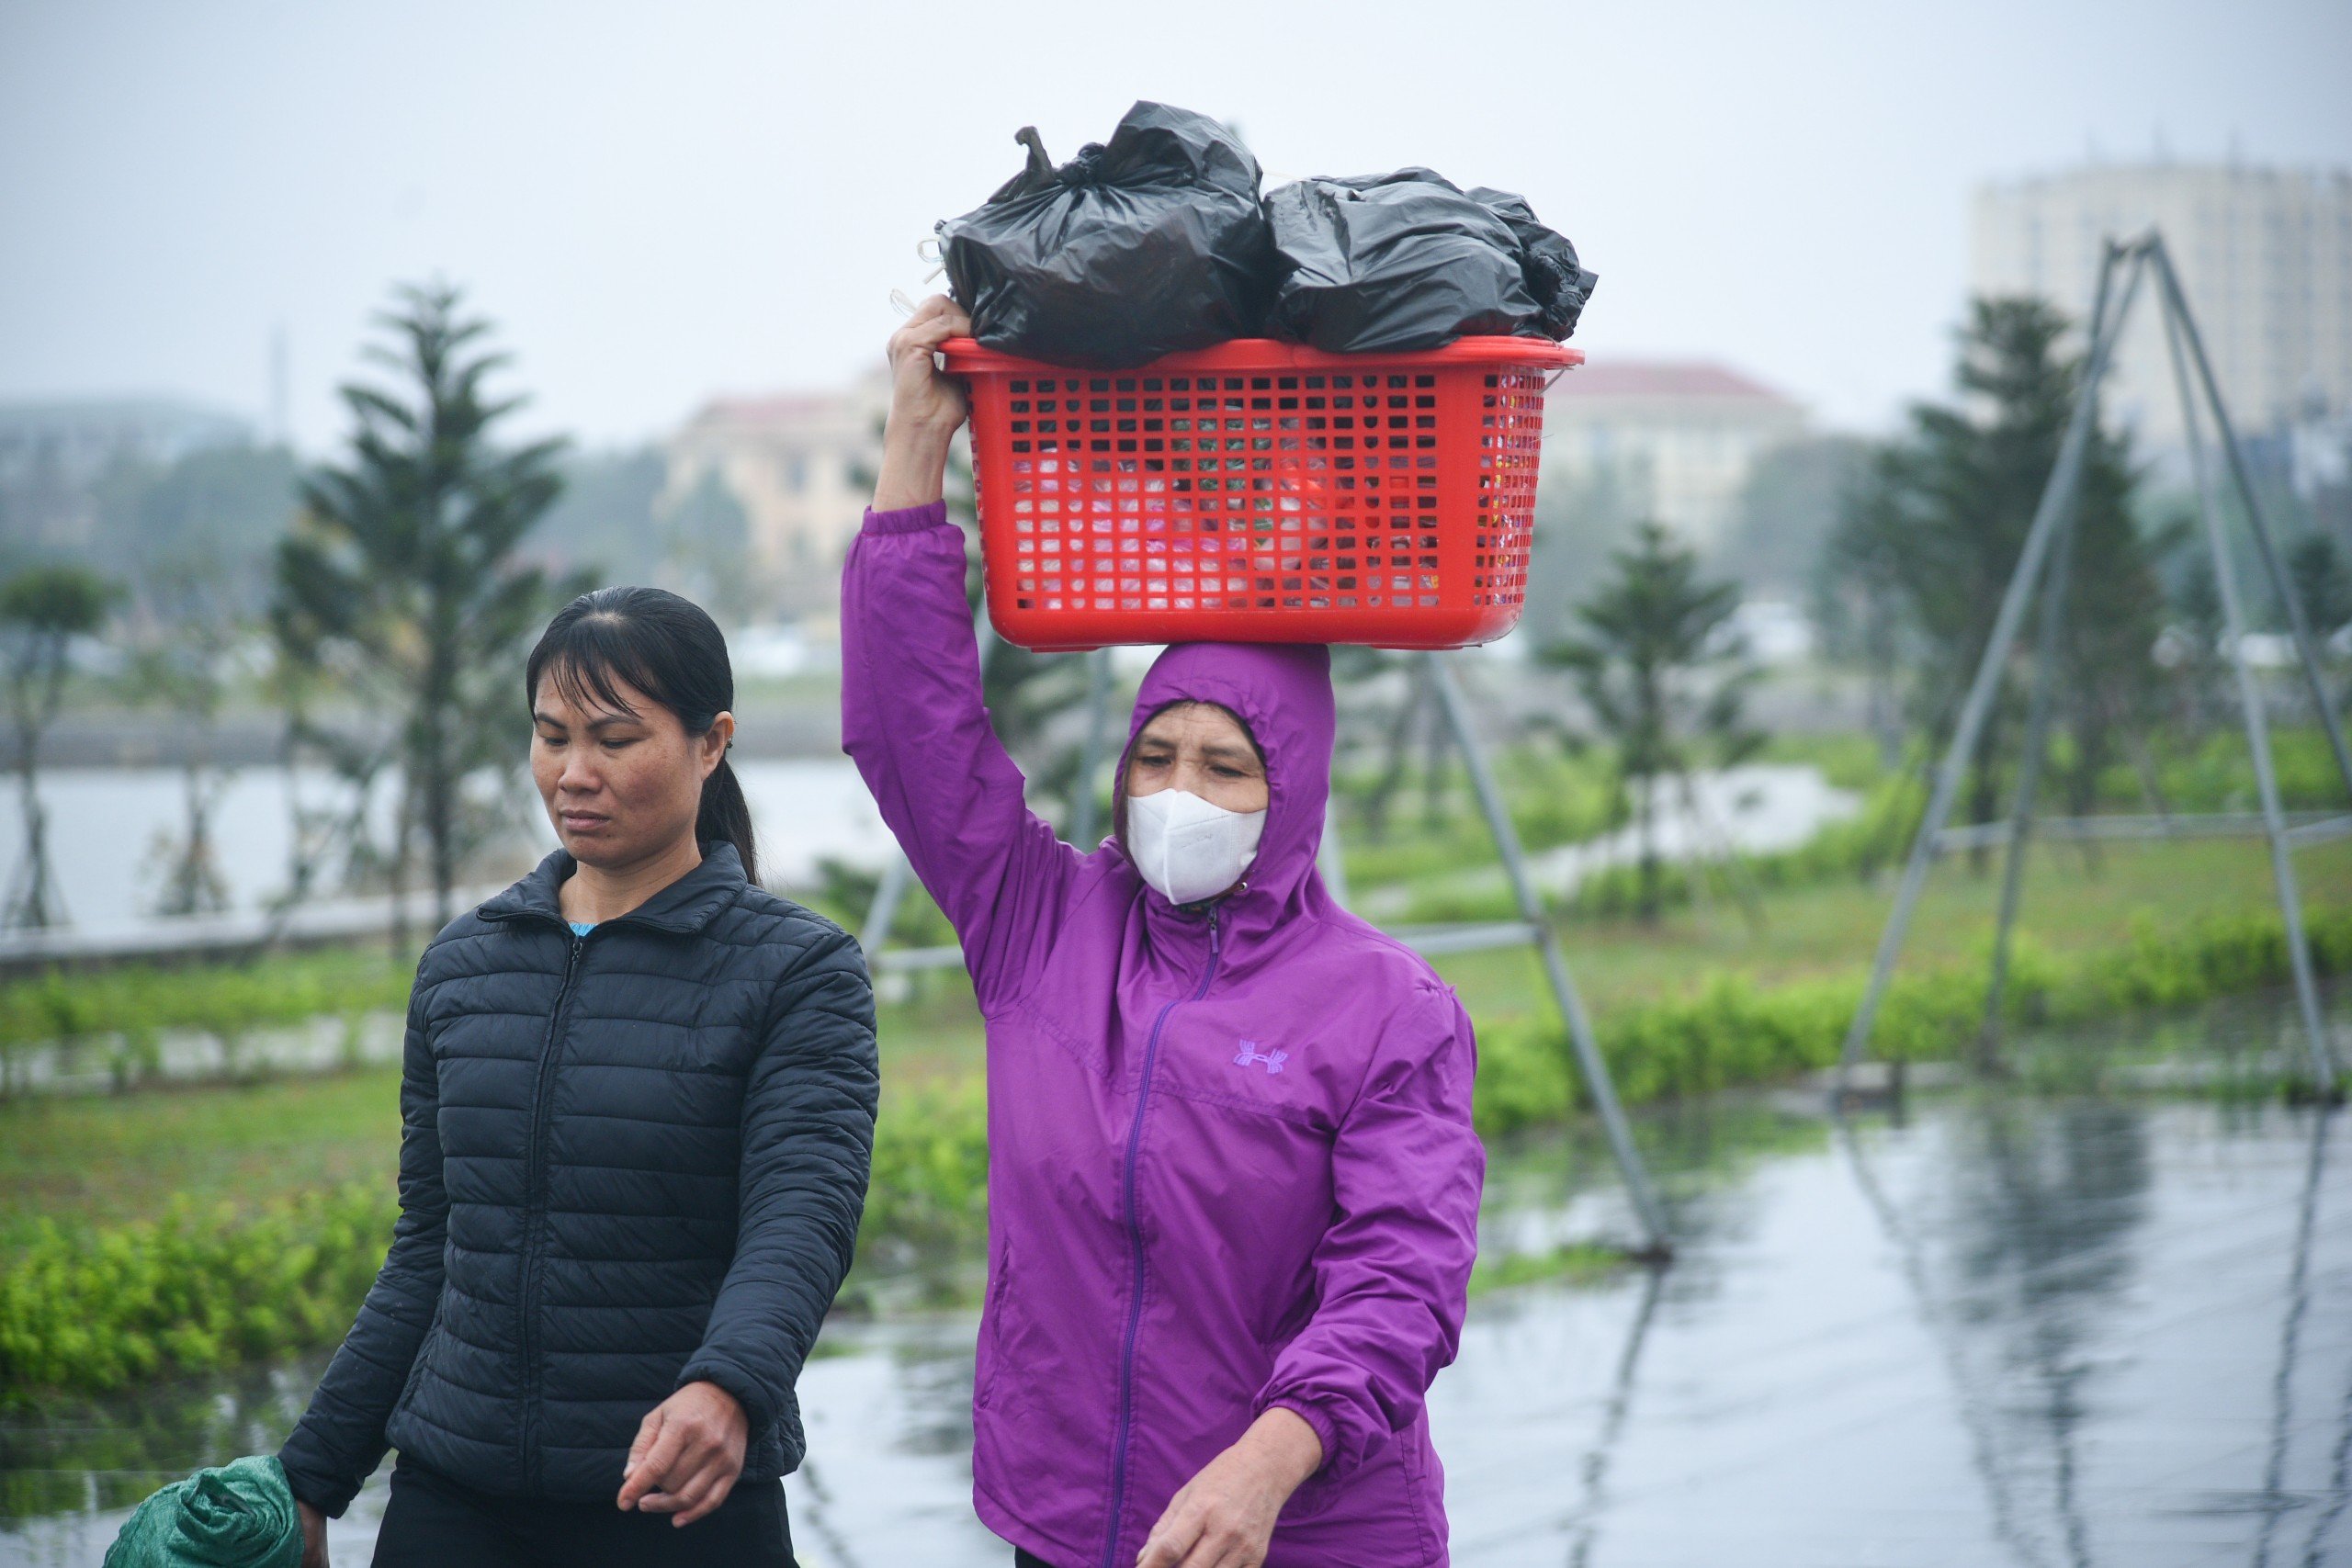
column 1651, row 664
column 403, row 572
column 1933, row 533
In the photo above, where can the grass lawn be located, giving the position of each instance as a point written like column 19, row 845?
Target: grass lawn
column 105, row 1159
column 112, row 1159
column 1834, row 928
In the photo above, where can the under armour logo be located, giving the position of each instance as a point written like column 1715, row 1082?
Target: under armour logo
column 1250, row 1054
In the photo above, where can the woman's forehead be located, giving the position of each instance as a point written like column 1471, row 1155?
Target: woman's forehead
column 1200, row 723
column 570, row 692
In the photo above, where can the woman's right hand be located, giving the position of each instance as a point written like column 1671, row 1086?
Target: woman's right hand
column 926, row 407
column 314, row 1535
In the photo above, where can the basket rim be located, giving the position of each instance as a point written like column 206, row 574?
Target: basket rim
column 968, row 356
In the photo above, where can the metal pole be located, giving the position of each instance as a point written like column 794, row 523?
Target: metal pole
column 2056, row 497
column 1089, row 757
column 1646, row 1207
column 2306, row 647
column 2257, row 723
column 2037, row 738
column 889, row 893
column 1330, row 858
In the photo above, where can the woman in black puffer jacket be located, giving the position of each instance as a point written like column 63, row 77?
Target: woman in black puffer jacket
column 636, row 1117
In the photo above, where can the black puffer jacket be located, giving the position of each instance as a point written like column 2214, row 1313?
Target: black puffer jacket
column 628, row 1161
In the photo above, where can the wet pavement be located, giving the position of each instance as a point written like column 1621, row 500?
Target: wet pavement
column 2045, row 1332
column 2080, row 1334
column 1756, row 809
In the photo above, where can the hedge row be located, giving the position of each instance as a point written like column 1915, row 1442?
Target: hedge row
column 125, row 1011
column 99, row 1307
column 1734, row 1032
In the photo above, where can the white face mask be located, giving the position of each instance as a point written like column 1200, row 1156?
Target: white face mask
column 1188, row 848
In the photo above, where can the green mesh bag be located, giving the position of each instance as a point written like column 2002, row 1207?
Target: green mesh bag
column 238, row 1516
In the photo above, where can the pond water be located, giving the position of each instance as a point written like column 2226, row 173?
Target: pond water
column 111, row 831
column 2051, row 1332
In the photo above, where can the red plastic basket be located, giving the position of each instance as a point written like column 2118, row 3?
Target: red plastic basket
column 1259, row 491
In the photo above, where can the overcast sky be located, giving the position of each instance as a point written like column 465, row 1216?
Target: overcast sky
column 661, row 202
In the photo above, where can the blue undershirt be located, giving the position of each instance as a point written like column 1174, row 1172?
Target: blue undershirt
column 580, row 927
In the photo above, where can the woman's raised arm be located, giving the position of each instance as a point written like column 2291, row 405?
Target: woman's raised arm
column 913, row 715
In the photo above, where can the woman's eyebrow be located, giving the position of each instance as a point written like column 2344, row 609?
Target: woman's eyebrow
column 606, row 722
column 1225, row 751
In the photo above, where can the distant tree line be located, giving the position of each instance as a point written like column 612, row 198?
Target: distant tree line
column 381, row 599
column 1903, row 548
column 397, row 585
column 1925, row 542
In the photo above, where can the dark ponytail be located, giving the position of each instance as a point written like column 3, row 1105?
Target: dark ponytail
column 668, row 649
column 726, row 816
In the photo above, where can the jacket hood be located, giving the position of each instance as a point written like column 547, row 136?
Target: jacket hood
column 1282, row 692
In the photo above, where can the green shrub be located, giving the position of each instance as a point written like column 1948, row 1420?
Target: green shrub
column 1732, row 1031
column 123, row 1011
column 1581, row 1261
column 97, row 1307
column 101, row 1307
column 931, row 1164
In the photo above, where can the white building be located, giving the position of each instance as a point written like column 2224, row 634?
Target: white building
column 801, row 466
column 2265, row 256
column 1683, row 436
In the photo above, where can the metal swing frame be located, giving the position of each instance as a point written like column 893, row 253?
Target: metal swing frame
column 2045, row 565
column 1530, row 930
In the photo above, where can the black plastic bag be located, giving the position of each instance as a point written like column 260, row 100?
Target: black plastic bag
column 1547, row 262
column 1152, row 243
column 1409, row 260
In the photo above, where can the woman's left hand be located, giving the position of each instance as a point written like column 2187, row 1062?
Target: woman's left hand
column 689, row 1450
column 1225, row 1516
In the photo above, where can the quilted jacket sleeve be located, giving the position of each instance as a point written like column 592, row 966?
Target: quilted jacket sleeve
column 1392, row 1272
column 913, row 720
column 340, row 1439
column 807, row 1140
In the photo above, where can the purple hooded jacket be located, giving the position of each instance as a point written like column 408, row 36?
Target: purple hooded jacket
column 1231, row 1163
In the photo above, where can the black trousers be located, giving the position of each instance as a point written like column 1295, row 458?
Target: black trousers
column 435, row 1522
column 1028, row 1560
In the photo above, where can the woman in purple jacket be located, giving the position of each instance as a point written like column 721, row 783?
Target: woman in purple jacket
column 1233, row 1186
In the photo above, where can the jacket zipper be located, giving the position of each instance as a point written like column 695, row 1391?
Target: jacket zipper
column 1134, row 1248
column 534, row 1212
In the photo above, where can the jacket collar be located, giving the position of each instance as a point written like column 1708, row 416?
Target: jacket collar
column 683, row 908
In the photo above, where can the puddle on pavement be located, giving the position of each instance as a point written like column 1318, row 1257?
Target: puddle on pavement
column 2053, row 1331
